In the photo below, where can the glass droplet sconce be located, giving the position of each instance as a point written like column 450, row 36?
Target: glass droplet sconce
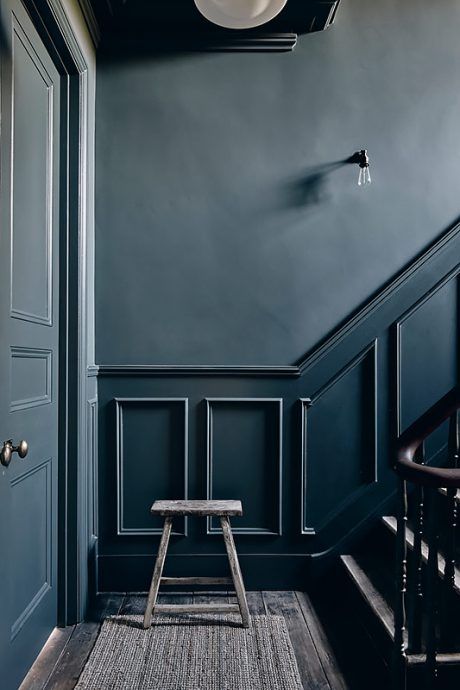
column 362, row 159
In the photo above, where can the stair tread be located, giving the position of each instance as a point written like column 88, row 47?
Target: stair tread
column 371, row 592
column 391, row 523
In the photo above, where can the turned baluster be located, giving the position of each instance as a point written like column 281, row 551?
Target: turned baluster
column 454, row 440
column 415, row 633
column 431, row 675
column 399, row 652
column 451, row 513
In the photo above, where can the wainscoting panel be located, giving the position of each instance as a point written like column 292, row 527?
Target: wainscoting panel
column 244, row 460
column 339, row 438
column 152, row 459
column 428, row 350
column 312, row 477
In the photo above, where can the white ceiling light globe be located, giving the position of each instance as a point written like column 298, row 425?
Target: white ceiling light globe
column 240, row 14
column 243, row 9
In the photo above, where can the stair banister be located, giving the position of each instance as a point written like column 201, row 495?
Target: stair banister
column 410, row 466
column 413, row 437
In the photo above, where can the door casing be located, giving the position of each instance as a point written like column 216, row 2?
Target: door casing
column 51, row 22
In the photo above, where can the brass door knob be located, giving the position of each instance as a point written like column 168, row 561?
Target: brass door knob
column 6, row 453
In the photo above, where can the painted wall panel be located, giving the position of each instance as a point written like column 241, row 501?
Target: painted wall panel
column 151, row 460
column 339, row 442
column 428, row 350
column 244, row 460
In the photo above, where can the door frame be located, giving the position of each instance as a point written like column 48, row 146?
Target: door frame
column 52, row 23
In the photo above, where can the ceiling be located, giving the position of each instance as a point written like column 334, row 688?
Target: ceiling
column 178, row 25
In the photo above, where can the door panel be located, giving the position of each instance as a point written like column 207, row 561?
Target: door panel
column 29, row 284
column 32, row 131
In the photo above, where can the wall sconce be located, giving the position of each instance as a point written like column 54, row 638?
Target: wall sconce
column 362, row 159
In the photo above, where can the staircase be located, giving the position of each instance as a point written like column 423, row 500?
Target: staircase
column 392, row 577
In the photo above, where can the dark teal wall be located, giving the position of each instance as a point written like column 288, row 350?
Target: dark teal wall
column 226, row 235
column 219, row 240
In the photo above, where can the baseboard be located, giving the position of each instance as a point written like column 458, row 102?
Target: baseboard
column 121, row 573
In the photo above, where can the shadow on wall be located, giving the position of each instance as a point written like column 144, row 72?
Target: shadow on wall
column 312, row 188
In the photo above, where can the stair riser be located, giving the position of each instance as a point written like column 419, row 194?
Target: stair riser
column 375, row 629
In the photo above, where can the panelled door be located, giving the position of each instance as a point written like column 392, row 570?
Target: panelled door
column 29, row 330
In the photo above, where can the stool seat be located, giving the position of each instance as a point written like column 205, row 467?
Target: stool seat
column 203, row 508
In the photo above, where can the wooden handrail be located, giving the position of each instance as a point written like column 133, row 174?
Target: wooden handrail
column 414, row 436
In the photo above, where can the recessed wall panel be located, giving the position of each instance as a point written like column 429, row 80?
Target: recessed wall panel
column 244, row 460
column 339, row 451
column 151, row 460
column 31, row 185
column 427, row 349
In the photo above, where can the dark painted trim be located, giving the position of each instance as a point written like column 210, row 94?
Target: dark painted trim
column 209, row 464
column 91, row 21
column 92, row 370
column 67, row 33
column 53, row 25
column 194, row 370
column 92, row 454
column 305, row 404
column 364, row 525
column 398, row 336
column 262, row 43
column 119, row 403
column 378, row 300
column 304, row 529
column 123, row 572
column 318, row 353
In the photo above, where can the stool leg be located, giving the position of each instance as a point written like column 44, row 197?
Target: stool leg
column 236, row 571
column 158, row 569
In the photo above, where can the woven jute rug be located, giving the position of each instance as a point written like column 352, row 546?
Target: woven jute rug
column 212, row 653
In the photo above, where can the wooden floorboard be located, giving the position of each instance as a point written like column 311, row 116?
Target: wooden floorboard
column 48, row 659
column 255, row 603
column 133, row 605
column 61, row 666
column 73, row 658
column 310, row 667
column 323, row 647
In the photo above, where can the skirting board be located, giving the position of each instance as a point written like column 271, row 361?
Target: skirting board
column 121, row 573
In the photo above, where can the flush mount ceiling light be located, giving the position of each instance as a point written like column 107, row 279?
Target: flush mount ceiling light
column 240, row 14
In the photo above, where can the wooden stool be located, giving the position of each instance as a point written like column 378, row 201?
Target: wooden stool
column 222, row 509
